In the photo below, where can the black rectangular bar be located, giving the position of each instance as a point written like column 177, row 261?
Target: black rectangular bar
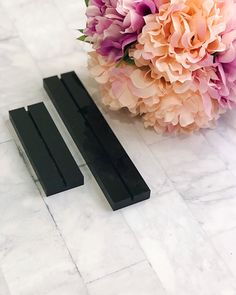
column 57, row 148
column 36, row 151
column 104, row 134
column 90, row 148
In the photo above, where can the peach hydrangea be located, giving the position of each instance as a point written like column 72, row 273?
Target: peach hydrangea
column 176, row 107
column 174, row 41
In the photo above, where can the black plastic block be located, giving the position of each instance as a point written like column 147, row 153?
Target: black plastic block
column 104, row 134
column 45, row 149
column 92, row 151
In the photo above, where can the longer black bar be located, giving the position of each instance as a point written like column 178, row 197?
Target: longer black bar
column 118, row 156
column 93, row 153
column 50, row 158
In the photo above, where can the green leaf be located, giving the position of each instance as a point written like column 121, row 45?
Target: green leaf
column 81, row 30
column 86, row 2
column 126, row 59
column 82, row 38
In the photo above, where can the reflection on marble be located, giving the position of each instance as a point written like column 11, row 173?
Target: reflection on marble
column 139, row 279
column 99, row 240
column 178, row 249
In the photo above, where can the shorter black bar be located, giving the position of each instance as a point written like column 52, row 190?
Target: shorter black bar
column 95, row 156
column 48, row 154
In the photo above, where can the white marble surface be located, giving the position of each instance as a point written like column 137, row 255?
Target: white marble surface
column 181, row 241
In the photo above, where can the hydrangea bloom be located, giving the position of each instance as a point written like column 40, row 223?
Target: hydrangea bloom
column 114, row 24
column 173, row 62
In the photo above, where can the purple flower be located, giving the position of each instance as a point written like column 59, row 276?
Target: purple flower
column 115, row 24
column 226, row 62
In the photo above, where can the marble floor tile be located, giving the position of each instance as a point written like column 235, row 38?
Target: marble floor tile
column 7, row 29
column 19, row 77
column 99, row 239
column 193, row 166
column 178, row 249
column 225, row 245
column 216, row 211
column 139, row 279
column 41, row 27
column 138, row 151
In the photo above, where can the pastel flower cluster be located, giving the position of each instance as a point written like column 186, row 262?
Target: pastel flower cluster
column 173, row 62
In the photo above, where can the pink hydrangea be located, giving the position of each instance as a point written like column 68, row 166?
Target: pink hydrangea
column 114, row 24
column 226, row 61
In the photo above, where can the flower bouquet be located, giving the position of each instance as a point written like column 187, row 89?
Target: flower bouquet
column 173, row 62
